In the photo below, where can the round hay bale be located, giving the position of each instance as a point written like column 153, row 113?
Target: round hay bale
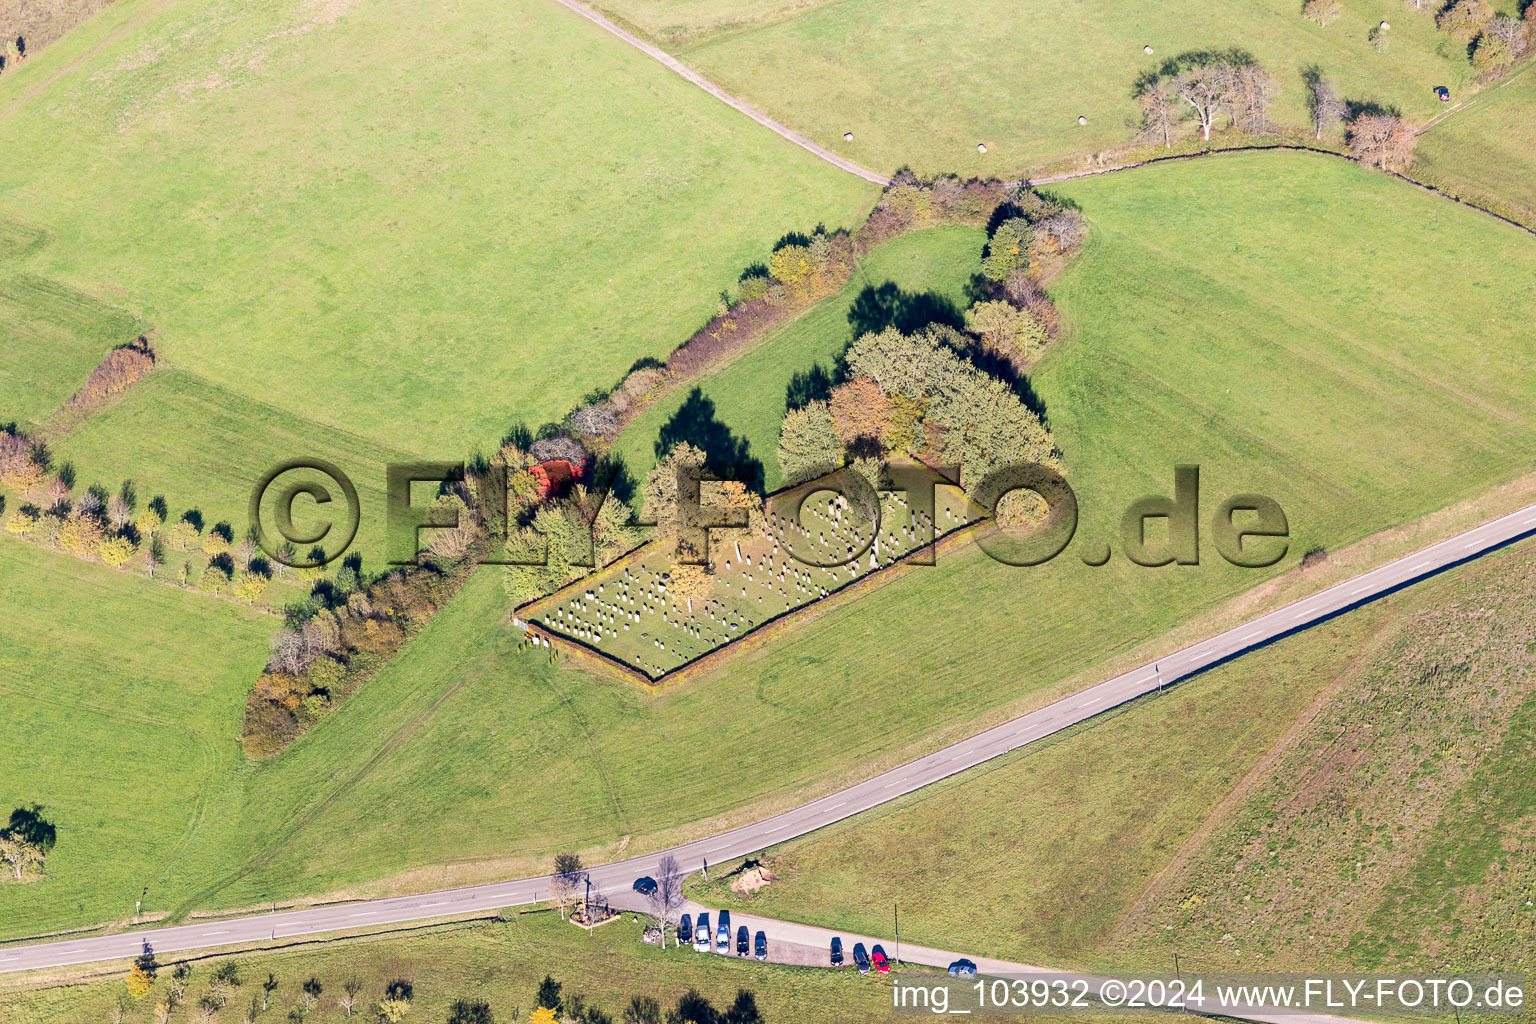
column 1081, row 119
column 1147, row 50
column 981, row 147
column 847, row 136
column 1385, row 26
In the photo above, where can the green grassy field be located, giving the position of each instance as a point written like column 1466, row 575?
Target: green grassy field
column 488, row 762
column 749, row 392
column 54, row 337
column 212, row 444
column 1487, row 153
column 499, row 962
column 415, row 230
column 916, row 84
column 122, row 702
column 1355, row 796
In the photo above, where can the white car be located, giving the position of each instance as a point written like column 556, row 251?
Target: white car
column 701, row 934
column 723, row 939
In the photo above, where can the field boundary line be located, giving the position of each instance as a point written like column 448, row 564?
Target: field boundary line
column 679, row 68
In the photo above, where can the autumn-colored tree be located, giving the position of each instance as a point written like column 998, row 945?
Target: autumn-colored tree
column 80, row 537
column 1007, row 329
column 1382, row 140
column 1159, row 112
column 792, row 264
column 216, row 543
column 1491, row 56
column 1465, row 20
column 115, row 551
column 21, row 855
column 141, row 976
column 183, row 534
column 860, row 410
column 543, row 1015
column 20, row 522
column 249, row 586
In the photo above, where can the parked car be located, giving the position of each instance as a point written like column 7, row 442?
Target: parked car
column 743, row 941
column 837, row 951
column 645, row 886
column 701, row 934
column 878, row 957
column 860, row 958
column 723, row 937
column 963, row 968
column 1444, row 93
column 762, row 946
column 685, row 929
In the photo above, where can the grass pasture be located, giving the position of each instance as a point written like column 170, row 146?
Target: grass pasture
column 213, row 444
column 417, row 230
column 1487, row 153
column 1354, row 798
column 54, row 336
column 122, row 703
column 975, row 635
column 918, row 85
column 1243, row 312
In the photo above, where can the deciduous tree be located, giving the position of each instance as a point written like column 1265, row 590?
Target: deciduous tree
column 808, row 443
column 1382, row 140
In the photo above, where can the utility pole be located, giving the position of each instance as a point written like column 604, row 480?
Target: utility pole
column 586, row 912
column 138, row 904
column 1176, row 965
column 896, row 913
column 1158, row 669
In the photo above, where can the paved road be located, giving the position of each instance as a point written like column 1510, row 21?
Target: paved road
column 617, row 878
column 724, row 97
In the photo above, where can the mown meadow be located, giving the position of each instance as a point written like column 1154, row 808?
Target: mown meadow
column 485, row 763
column 1354, row 796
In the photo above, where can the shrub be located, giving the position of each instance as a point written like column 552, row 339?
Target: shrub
column 1065, row 229
column 115, row 373
column 116, row 551
column 792, row 264
column 1324, row 12
column 752, row 288
column 561, row 446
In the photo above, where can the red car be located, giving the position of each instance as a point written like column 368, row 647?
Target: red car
column 878, row 958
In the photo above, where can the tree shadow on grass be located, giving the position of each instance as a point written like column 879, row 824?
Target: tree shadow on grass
column 725, row 455
column 888, row 305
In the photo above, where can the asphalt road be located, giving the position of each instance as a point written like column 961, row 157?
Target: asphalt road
column 618, row 877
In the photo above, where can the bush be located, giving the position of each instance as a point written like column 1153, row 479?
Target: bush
column 114, row 374
column 1324, row 12
column 1492, row 56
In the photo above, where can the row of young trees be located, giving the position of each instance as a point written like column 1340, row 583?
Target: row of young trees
column 390, row 1004
column 554, row 1005
column 115, row 529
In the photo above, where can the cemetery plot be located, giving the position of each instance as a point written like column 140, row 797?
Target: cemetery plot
column 644, row 613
